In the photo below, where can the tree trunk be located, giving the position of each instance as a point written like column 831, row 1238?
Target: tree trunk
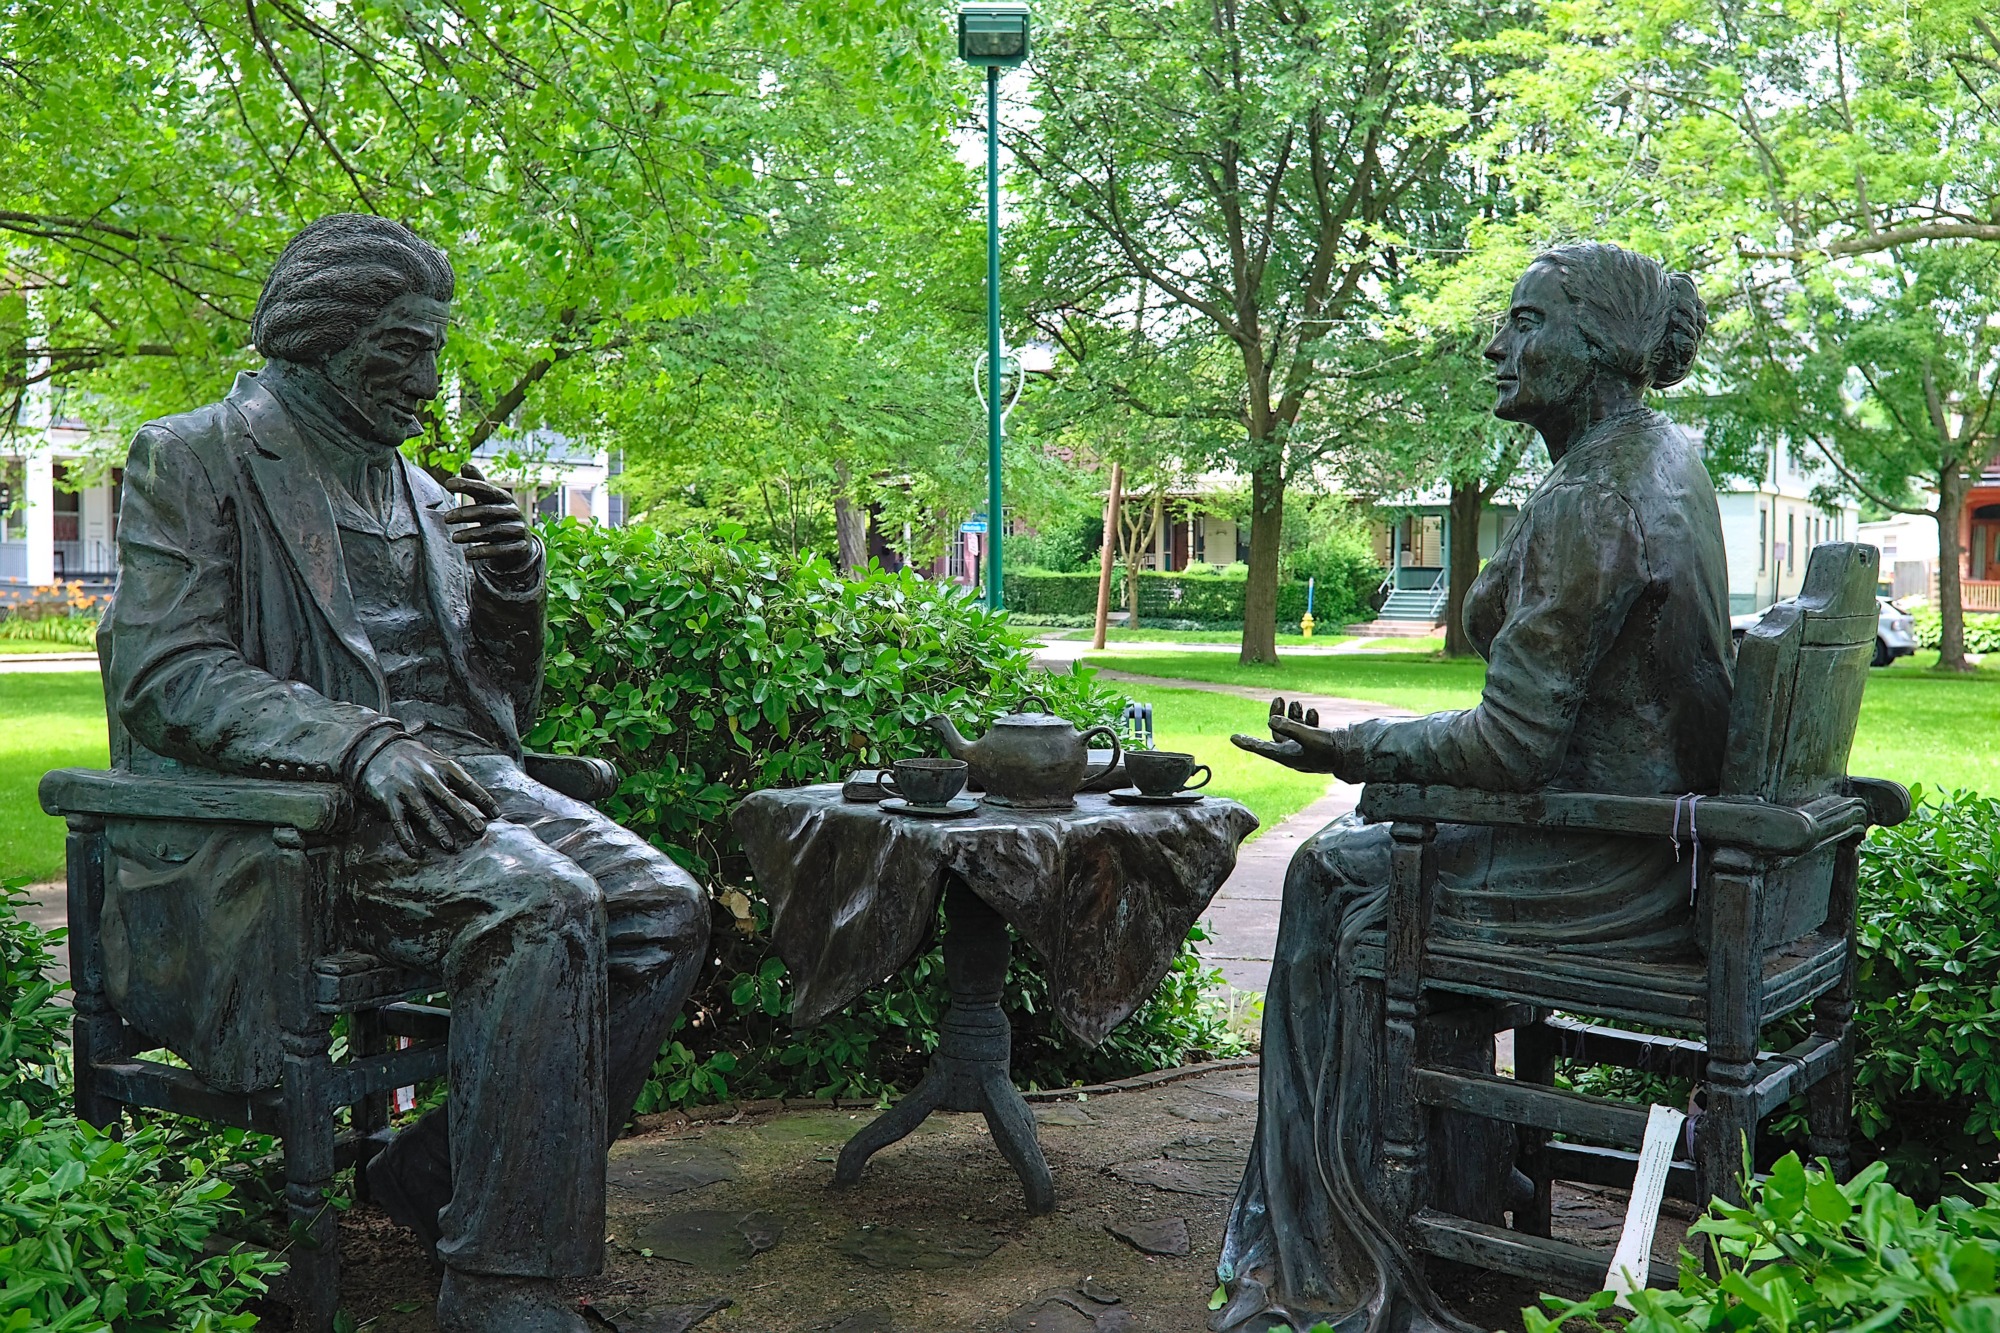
column 1260, row 595
column 850, row 526
column 1109, row 555
column 1468, row 502
column 1953, row 486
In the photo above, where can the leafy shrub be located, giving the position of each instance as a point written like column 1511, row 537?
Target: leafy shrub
column 1982, row 632
column 97, row 1233
column 1807, row 1254
column 1061, row 548
column 33, row 1028
column 100, row 1233
column 708, row 668
column 1927, row 1080
column 1343, row 564
column 72, row 631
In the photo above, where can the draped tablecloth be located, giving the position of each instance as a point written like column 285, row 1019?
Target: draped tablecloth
column 1104, row 893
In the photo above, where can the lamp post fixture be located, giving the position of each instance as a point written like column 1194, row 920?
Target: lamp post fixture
column 993, row 37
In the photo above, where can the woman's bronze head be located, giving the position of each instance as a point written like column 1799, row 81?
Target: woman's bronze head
column 1587, row 313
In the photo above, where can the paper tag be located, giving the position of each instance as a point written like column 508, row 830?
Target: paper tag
column 1634, row 1256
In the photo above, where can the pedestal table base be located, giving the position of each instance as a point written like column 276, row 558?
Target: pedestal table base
column 971, row 1068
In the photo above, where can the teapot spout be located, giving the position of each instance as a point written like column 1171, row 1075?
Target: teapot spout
column 955, row 744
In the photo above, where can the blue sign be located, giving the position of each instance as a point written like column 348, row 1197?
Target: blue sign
column 973, row 525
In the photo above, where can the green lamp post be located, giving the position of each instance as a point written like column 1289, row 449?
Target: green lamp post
column 993, row 37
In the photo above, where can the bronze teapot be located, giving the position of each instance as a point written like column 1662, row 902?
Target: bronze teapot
column 1028, row 761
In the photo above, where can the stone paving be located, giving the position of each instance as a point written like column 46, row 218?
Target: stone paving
column 728, row 1222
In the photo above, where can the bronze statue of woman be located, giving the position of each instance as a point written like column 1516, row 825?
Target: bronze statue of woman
column 1604, row 619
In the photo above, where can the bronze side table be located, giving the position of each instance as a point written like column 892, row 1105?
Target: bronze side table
column 1105, row 894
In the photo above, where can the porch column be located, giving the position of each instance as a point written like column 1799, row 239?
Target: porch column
column 39, row 516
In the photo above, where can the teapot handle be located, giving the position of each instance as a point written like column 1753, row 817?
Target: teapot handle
column 1117, row 753
column 1027, row 699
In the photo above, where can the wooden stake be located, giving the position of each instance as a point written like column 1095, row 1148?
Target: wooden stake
column 1106, row 560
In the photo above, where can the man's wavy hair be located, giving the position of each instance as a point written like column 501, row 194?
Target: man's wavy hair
column 1640, row 320
column 335, row 278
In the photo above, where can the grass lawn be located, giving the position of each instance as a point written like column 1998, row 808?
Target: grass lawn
column 36, row 646
column 1201, row 722
column 1917, row 727
column 1144, row 635
column 1420, row 682
column 52, row 720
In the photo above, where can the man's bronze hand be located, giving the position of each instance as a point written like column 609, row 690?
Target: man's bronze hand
column 423, row 792
column 497, row 529
column 1301, row 743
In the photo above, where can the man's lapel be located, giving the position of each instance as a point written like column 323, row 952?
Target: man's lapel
column 294, row 490
column 448, row 575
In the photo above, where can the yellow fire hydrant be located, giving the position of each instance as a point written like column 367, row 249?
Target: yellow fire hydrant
column 1306, row 624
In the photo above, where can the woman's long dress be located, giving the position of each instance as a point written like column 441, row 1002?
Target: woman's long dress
column 1604, row 619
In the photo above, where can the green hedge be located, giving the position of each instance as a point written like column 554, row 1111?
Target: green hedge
column 706, row 667
column 1206, row 601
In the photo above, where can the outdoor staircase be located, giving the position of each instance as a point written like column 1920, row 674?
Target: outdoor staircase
column 1409, row 611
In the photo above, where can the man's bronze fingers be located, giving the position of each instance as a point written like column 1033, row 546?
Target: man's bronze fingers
column 401, row 824
column 427, row 815
column 492, row 534
column 484, row 513
column 467, row 786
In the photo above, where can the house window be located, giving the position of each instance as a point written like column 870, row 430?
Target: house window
column 1791, row 542
column 1763, row 539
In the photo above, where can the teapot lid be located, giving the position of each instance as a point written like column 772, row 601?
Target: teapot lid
column 1030, row 720
column 1041, row 717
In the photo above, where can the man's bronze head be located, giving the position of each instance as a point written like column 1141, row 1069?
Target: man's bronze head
column 365, row 302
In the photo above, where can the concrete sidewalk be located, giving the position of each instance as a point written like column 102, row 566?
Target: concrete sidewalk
column 35, row 663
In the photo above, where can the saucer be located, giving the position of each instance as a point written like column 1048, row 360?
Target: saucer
column 1133, row 796
column 949, row 810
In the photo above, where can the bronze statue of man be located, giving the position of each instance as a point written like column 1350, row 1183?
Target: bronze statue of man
column 298, row 602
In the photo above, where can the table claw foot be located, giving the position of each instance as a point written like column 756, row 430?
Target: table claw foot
column 893, row 1124
column 1013, row 1126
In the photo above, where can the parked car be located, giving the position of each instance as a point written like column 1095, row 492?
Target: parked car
column 1895, row 633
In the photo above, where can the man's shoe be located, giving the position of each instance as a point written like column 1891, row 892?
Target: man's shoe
column 480, row 1303
column 411, row 1179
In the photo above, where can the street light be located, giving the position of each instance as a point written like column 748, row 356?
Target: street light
column 993, row 37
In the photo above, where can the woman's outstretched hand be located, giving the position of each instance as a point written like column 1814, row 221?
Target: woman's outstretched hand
column 1301, row 743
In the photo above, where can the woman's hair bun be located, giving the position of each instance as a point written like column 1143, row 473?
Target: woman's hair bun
column 1638, row 319
column 1687, row 320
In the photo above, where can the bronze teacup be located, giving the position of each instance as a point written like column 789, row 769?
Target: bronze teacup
column 1164, row 772
column 926, row 782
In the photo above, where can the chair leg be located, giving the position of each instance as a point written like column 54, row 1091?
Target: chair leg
column 1728, row 1130
column 97, row 1035
column 1412, row 871
column 314, row 1252
column 371, row 1114
column 309, row 1166
column 1830, row 1102
column 1535, row 1062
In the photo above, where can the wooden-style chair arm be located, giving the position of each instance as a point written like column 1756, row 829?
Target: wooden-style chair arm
column 1754, row 826
column 579, row 777
column 310, row 807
